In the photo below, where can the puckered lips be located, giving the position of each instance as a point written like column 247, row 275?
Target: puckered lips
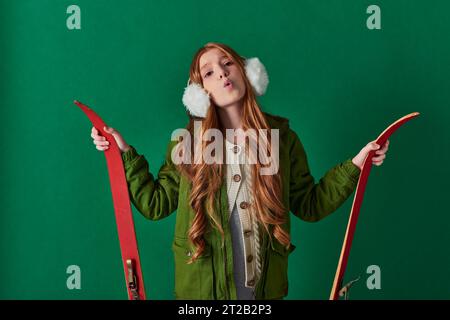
column 228, row 84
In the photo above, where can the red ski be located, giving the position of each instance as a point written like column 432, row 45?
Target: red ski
column 357, row 201
column 124, row 217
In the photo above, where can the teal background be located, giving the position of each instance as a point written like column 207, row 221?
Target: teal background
column 339, row 83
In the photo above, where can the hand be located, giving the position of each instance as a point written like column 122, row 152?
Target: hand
column 377, row 159
column 102, row 143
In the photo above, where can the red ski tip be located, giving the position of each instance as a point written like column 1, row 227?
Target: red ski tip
column 79, row 104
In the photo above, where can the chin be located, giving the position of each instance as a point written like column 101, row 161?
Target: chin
column 233, row 100
column 229, row 100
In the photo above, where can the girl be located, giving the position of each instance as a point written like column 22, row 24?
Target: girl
column 232, row 232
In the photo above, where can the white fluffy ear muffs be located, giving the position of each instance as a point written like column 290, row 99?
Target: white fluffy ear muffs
column 257, row 75
column 197, row 101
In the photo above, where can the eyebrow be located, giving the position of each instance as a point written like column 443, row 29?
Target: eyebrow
column 223, row 56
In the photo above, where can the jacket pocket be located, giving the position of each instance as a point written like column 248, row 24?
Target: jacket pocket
column 276, row 284
column 195, row 280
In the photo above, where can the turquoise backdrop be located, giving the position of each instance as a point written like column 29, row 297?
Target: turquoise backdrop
column 339, row 83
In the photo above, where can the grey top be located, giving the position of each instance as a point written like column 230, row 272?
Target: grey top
column 243, row 292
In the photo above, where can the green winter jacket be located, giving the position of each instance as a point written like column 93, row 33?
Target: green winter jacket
column 211, row 276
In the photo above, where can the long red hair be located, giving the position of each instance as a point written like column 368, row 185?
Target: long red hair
column 268, row 208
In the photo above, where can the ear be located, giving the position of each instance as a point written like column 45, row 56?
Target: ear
column 257, row 75
column 196, row 100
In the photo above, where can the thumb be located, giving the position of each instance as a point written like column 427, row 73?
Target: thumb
column 108, row 129
column 374, row 146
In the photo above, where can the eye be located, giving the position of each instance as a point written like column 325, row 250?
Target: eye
column 229, row 63
column 207, row 74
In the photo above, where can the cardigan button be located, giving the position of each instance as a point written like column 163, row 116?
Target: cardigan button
column 247, row 233
column 188, row 253
column 249, row 258
column 251, row 283
column 244, row 205
column 237, row 178
column 236, row 149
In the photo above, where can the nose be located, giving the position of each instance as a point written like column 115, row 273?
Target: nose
column 222, row 73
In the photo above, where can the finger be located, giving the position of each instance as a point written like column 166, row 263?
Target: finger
column 102, row 148
column 95, row 133
column 378, row 163
column 372, row 146
column 109, row 130
column 384, row 148
column 101, row 143
column 97, row 137
column 379, row 158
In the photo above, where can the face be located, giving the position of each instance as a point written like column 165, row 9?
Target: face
column 216, row 70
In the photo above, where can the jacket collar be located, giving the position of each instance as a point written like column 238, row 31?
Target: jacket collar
column 276, row 122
